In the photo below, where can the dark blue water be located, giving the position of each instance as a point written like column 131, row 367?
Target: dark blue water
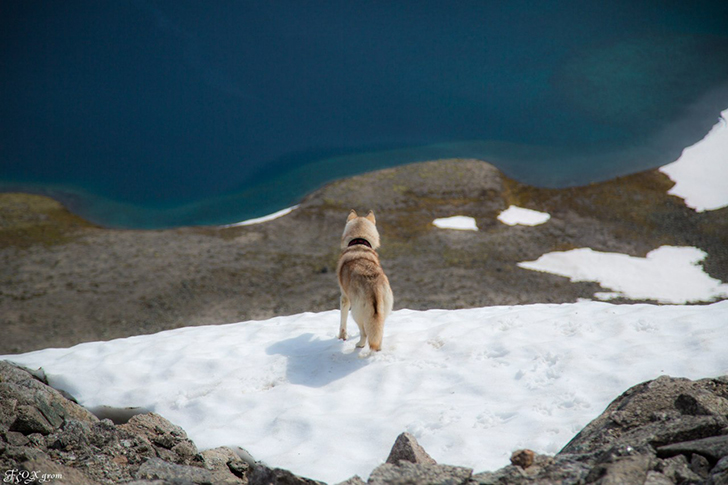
column 158, row 114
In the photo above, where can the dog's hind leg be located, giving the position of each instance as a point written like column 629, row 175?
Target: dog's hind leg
column 344, row 314
column 362, row 335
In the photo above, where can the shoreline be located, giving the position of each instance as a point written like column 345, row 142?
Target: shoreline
column 65, row 281
column 708, row 153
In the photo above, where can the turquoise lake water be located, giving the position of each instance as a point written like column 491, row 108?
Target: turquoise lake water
column 154, row 114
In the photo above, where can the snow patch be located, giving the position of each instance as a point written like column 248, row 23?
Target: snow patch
column 527, row 217
column 267, row 218
column 462, row 223
column 701, row 172
column 667, row 274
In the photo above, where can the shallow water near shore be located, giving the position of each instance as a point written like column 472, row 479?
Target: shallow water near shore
column 155, row 115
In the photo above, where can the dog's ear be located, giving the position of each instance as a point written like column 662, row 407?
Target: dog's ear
column 352, row 215
column 370, row 216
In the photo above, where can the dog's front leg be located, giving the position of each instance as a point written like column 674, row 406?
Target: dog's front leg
column 344, row 314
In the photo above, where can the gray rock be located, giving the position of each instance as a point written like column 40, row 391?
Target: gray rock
column 13, row 456
column 29, row 419
column 406, row 473
column 16, row 438
column 627, row 470
column 406, row 448
column 263, row 475
column 43, row 432
column 27, row 405
column 678, row 470
column 156, row 429
column 665, row 431
column 75, row 434
column 702, row 402
column 719, row 473
column 153, row 482
column 44, row 470
column 510, row 474
column 169, row 441
column 654, row 414
column 657, row 478
column 355, row 480
column 226, row 465
column 700, row 465
column 713, row 448
column 545, row 469
column 158, row 469
column 685, row 428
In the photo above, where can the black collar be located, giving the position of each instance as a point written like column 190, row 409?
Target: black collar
column 360, row 240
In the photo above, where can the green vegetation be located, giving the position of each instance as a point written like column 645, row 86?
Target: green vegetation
column 27, row 219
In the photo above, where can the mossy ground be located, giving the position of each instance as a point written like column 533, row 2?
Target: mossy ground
column 27, row 219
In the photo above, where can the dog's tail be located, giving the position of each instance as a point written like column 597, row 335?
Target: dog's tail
column 382, row 307
column 375, row 331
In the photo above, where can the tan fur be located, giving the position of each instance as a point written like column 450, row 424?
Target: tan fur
column 364, row 286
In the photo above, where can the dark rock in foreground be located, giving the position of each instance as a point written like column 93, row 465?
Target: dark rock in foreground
column 45, row 437
column 406, row 448
column 665, row 431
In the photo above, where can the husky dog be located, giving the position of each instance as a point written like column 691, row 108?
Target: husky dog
column 364, row 286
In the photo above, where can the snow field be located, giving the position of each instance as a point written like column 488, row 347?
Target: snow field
column 471, row 385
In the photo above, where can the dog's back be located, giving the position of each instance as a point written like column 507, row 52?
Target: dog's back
column 364, row 286
column 363, row 281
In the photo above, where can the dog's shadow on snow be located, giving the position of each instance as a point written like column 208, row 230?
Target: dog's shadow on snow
column 314, row 362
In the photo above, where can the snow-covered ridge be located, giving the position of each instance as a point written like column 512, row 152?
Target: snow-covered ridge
column 701, row 172
column 471, row 385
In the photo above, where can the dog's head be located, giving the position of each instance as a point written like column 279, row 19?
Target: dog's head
column 360, row 228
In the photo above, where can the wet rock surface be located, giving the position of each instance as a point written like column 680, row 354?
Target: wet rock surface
column 64, row 281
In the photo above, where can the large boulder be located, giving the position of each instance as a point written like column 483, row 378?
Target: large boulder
column 665, row 431
column 45, row 436
column 664, row 411
column 264, row 475
column 28, row 405
column 406, row 448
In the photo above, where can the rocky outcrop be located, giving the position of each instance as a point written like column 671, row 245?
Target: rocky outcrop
column 406, row 448
column 665, row 431
column 46, row 437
